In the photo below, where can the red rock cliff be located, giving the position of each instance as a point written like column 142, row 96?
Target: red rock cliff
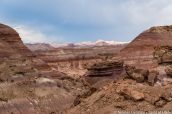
column 11, row 37
column 140, row 51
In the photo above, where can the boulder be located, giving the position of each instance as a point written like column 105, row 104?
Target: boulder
column 152, row 77
column 168, row 71
column 136, row 95
column 163, row 54
column 137, row 74
column 130, row 93
column 138, row 77
column 129, row 70
column 167, row 57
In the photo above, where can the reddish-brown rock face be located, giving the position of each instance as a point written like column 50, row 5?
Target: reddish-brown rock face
column 27, row 84
column 102, row 73
column 13, row 55
column 72, row 60
column 12, row 46
column 11, row 37
column 140, row 51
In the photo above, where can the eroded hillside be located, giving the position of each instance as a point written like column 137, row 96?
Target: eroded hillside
column 49, row 81
column 72, row 60
column 145, row 83
column 27, row 84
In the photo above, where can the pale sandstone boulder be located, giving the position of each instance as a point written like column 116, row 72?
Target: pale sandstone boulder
column 131, row 93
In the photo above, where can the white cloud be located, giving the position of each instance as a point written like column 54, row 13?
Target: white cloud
column 110, row 13
column 149, row 12
column 32, row 35
column 27, row 34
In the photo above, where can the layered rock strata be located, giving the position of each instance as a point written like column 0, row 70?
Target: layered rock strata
column 105, row 68
column 99, row 74
column 72, row 60
column 145, row 86
column 27, row 84
column 140, row 51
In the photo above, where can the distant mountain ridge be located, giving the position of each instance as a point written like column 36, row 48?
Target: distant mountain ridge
column 90, row 43
column 51, row 46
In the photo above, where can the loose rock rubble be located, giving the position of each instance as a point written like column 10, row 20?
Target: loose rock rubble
column 141, row 75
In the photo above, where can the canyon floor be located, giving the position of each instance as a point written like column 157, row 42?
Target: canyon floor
column 86, row 79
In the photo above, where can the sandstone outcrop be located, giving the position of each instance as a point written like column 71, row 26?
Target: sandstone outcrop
column 12, row 38
column 105, row 68
column 140, row 51
column 103, row 72
column 140, row 75
column 14, row 55
column 163, row 54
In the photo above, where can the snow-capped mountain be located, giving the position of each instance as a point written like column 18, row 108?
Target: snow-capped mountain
column 103, row 42
column 89, row 43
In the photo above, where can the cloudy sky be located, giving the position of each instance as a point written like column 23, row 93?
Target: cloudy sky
column 83, row 20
